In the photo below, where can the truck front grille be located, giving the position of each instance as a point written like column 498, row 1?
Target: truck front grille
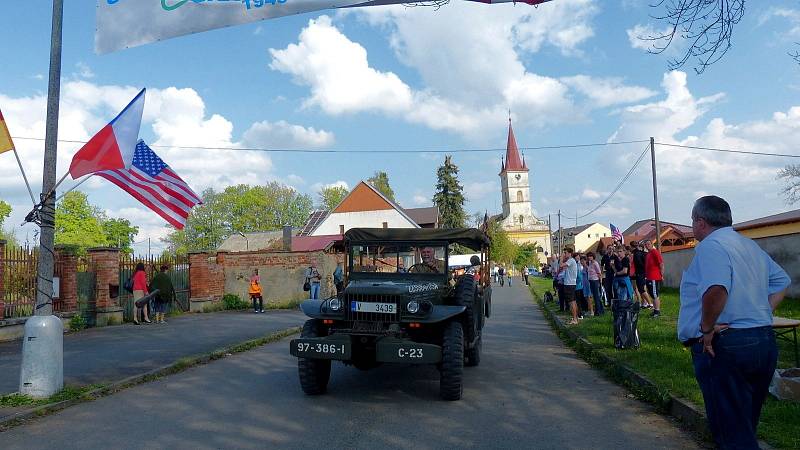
column 371, row 316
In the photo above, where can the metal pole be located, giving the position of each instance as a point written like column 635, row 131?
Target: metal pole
column 655, row 191
column 560, row 234
column 44, row 290
column 24, row 177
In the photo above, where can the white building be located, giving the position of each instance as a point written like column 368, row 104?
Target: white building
column 582, row 237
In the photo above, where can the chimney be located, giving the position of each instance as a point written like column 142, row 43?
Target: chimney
column 287, row 238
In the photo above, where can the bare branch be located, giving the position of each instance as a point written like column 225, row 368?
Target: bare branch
column 791, row 190
column 706, row 24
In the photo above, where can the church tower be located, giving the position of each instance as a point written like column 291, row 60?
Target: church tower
column 515, row 187
column 517, row 218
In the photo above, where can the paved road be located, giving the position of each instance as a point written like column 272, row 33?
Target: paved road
column 114, row 353
column 529, row 392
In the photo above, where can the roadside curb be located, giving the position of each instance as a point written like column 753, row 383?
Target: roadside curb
column 178, row 366
column 687, row 413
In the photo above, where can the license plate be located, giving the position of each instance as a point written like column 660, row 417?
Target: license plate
column 315, row 349
column 367, row 307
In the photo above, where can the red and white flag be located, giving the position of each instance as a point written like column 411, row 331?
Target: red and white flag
column 151, row 181
column 114, row 145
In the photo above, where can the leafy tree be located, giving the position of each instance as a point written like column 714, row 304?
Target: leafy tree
column 5, row 211
column 331, row 196
column 78, row 222
column 241, row 208
column 120, row 233
column 449, row 195
column 502, row 250
column 527, row 255
column 380, row 181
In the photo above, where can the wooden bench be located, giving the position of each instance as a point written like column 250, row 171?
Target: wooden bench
column 783, row 329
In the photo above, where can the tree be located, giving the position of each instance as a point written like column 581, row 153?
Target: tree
column 331, row 196
column 5, row 212
column 791, row 173
column 449, row 195
column 380, row 181
column 240, row 209
column 527, row 255
column 78, row 222
column 502, row 250
column 120, row 233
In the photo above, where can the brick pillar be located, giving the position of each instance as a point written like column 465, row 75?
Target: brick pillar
column 105, row 265
column 198, row 275
column 68, row 262
column 2, row 277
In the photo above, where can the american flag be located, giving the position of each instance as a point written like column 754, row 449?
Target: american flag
column 151, row 181
column 616, row 234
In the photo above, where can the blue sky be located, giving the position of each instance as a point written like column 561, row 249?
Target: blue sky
column 415, row 78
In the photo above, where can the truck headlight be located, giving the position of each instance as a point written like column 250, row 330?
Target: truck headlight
column 413, row 307
column 335, row 304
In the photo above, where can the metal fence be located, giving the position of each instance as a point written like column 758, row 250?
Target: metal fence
column 19, row 279
column 178, row 271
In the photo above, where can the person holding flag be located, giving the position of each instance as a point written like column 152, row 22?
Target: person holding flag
column 616, row 234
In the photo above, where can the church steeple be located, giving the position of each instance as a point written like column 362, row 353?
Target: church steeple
column 513, row 162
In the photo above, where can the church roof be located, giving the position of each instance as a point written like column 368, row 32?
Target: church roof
column 513, row 162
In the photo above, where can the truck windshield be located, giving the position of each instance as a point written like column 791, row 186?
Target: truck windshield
column 397, row 259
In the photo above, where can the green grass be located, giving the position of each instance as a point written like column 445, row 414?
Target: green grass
column 68, row 393
column 667, row 363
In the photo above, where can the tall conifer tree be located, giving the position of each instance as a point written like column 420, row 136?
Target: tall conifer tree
column 449, row 195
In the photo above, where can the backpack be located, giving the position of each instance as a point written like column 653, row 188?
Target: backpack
column 128, row 285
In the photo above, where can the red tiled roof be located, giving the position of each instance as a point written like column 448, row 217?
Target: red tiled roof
column 314, row 243
column 777, row 219
column 513, row 160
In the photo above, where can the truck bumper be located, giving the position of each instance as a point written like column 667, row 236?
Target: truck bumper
column 387, row 349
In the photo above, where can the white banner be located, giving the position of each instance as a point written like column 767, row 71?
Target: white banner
column 129, row 23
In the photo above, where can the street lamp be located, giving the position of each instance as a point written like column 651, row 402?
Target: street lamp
column 246, row 241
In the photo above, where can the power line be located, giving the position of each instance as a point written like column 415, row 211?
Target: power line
column 286, row 150
column 728, row 150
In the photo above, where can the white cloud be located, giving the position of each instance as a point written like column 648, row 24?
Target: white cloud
column 607, row 91
column 84, row 71
column 479, row 190
column 176, row 117
column 316, row 187
column 421, row 200
column 591, row 194
column 642, row 36
column 790, row 15
column 282, row 134
column 295, row 179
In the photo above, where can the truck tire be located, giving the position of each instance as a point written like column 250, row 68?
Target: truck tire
column 314, row 373
column 474, row 354
column 465, row 296
column 487, row 302
column 451, row 384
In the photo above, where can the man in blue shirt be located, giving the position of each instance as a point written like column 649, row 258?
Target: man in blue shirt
column 728, row 294
column 570, row 268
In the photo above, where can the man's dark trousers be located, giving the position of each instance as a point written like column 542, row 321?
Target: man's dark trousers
column 735, row 383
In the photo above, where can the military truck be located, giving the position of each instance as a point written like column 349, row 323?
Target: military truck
column 400, row 304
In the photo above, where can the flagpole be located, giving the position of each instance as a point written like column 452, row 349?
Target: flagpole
column 73, row 188
column 42, row 369
column 24, row 177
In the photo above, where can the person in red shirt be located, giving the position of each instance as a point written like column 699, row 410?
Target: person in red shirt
column 139, row 291
column 654, row 274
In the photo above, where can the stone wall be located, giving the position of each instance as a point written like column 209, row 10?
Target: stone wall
column 785, row 250
column 282, row 274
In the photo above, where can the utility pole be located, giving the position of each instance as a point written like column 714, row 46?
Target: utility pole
column 148, row 248
column 560, row 234
column 550, row 233
column 42, row 370
column 655, row 191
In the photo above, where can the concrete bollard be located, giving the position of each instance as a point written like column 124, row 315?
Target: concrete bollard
column 42, row 372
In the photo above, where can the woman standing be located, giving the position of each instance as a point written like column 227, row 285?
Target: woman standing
column 139, row 291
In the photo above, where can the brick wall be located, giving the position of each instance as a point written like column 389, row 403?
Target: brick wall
column 282, row 274
column 105, row 265
column 206, row 276
column 68, row 290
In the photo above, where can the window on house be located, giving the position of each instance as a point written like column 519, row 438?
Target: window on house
column 519, row 196
column 589, row 235
column 521, row 219
column 341, row 229
column 385, row 224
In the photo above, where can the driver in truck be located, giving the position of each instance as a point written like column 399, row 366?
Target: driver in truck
column 429, row 262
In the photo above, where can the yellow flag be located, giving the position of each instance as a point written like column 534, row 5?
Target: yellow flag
column 5, row 137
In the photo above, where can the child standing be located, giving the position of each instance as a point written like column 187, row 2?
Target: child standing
column 255, row 292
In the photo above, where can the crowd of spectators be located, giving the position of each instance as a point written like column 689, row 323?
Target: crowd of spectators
column 624, row 273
